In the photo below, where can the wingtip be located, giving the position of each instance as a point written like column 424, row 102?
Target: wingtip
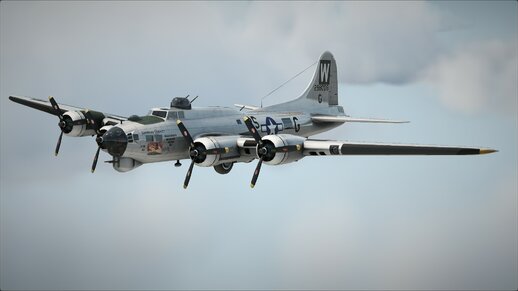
column 487, row 151
column 185, row 186
column 245, row 118
column 252, row 186
column 178, row 121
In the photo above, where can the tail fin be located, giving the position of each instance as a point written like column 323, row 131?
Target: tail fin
column 321, row 92
column 324, row 86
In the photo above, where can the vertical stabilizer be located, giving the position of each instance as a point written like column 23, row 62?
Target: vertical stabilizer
column 321, row 92
column 323, row 89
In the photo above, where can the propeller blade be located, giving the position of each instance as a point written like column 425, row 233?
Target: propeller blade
column 58, row 145
column 185, row 132
column 90, row 120
column 252, row 129
column 55, row 106
column 95, row 159
column 256, row 173
column 188, row 176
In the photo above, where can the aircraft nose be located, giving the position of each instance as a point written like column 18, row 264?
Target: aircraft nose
column 115, row 141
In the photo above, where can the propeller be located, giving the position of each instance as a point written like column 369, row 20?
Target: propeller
column 62, row 123
column 65, row 124
column 265, row 151
column 188, row 175
column 197, row 151
column 189, row 139
column 260, row 146
column 256, row 173
column 114, row 140
column 185, row 132
column 95, row 158
column 96, row 127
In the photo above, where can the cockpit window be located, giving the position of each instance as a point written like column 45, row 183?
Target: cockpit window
column 159, row 113
column 174, row 115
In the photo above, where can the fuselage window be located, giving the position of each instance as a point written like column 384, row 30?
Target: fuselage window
column 149, row 138
column 287, row 123
column 158, row 137
column 181, row 115
column 135, row 137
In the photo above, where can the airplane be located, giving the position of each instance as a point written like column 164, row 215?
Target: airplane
column 219, row 137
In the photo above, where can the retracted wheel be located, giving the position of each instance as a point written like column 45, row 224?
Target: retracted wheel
column 224, row 168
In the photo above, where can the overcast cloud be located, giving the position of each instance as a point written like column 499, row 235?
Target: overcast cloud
column 344, row 223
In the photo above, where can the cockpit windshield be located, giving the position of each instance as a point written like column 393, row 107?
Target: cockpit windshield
column 159, row 113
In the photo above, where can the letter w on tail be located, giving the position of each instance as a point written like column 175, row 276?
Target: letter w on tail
column 325, row 65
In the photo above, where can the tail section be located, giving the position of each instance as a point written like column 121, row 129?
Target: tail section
column 324, row 86
column 321, row 92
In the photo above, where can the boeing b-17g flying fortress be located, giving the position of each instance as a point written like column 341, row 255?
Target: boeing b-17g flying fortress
column 220, row 136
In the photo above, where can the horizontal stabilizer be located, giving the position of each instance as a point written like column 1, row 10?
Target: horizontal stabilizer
column 341, row 119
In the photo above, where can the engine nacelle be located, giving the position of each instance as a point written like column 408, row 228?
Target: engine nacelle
column 214, row 142
column 76, row 125
column 280, row 157
column 125, row 164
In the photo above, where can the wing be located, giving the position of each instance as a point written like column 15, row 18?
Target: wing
column 46, row 106
column 342, row 119
column 327, row 147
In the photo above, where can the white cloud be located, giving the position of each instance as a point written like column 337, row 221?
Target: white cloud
column 373, row 41
column 477, row 77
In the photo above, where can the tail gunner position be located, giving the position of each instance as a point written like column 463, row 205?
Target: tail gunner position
column 220, row 136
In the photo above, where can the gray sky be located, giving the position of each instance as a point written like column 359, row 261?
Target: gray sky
column 341, row 223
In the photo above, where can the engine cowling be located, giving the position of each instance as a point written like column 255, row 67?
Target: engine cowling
column 280, row 157
column 75, row 124
column 215, row 142
column 125, row 164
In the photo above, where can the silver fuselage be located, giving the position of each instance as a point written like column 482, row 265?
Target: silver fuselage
column 162, row 141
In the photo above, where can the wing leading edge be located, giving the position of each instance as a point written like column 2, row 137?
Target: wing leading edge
column 325, row 147
column 46, row 106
